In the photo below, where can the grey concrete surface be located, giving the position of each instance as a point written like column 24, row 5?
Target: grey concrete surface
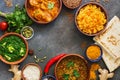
column 57, row 37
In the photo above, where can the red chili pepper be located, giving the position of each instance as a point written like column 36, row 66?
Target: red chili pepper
column 52, row 61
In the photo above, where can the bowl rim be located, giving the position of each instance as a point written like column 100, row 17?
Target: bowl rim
column 77, row 55
column 103, row 10
column 31, row 30
column 34, row 64
column 47, row 76
column 72, row 7
column 25, row 42
column 101, row 53
column 40, row 22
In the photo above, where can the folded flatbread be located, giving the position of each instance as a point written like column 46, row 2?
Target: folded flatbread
column 110, row 62
column 110, row 42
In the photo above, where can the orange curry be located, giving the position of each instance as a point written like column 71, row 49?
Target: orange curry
column 43, row 10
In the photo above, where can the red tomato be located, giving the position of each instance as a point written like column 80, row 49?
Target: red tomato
column 3, row 26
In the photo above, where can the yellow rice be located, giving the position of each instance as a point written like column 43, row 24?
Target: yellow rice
column 91, row 19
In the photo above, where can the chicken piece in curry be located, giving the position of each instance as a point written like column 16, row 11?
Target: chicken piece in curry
column 43, row 10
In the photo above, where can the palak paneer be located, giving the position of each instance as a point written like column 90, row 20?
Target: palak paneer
column 12, row 48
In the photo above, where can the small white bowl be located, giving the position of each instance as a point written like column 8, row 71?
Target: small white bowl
column 28, row 71
column 27, row 32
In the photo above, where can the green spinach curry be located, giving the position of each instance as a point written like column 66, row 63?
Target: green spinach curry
column 12, row 48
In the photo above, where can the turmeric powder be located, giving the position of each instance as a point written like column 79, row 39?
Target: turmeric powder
column 93, row 52
column 94, row 67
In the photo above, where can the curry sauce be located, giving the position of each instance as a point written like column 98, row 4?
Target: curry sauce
column 43, row 10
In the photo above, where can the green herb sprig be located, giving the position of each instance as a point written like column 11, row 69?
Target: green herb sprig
column 17, row 19
column 76, row 73
column 66, row 76
column 51, row 5
column 70, row 64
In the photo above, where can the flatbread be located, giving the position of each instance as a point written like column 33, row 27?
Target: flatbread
column 110, row 62
column 110, row 42
column 110, row 39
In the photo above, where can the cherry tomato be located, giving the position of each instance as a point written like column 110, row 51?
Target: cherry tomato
column 3, row 26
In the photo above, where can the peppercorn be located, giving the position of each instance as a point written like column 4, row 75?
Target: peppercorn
column 30, row 52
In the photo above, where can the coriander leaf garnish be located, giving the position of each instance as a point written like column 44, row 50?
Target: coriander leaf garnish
column 70, row 64
column 65, row 76
column 76, row 73
column 51, row 5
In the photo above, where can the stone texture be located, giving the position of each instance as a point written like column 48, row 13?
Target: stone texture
column 57, row 37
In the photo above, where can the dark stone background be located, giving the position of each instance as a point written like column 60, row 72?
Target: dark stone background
column 59, row 36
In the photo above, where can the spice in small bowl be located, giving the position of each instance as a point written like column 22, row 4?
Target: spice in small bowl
column 72, row 4
column 27, row 32
column 94, row 53
column 31, row 71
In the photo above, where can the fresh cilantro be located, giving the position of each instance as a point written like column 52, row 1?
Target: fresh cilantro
column 17, row 19
column 70, row 64
column 66, row 76
column 76, row 73
column 50, row 5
